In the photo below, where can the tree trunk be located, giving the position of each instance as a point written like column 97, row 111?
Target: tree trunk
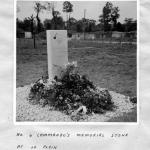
column 38, row 22
column 69, row 22
column 54, row 19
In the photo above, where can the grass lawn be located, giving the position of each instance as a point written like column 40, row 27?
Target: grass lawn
column 126, row 117
column 110, row 66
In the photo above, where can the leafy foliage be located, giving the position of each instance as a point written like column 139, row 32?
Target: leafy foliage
column 68, row 8
column 109, row 15
column 71, row 91
column 38, row 9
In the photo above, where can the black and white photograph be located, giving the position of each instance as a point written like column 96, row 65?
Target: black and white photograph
column 76, row 61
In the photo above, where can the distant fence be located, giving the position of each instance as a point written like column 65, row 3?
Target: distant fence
column 87, row 36
column 124, row 36
column 102, row 37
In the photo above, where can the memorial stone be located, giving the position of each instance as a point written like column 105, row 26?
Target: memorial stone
column 57, row 49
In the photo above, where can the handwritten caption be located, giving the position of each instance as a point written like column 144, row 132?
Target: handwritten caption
column 41, row 136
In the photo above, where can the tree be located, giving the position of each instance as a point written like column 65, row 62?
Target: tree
column 109, row 15
column 19, row 24
column 90, row 25
column 47, row 24
column 27, row 24
column 105, row 18
column 68, row 9
column 20, row 28
column 38, row 8
column 114, row 16
column 119, row 27
column 73, row 23
column 50, row 7
column 32, row 23
column 79, row 26
column 57, row 20
column 130, row 24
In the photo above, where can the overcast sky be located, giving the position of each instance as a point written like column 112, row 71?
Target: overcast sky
column 128, row 9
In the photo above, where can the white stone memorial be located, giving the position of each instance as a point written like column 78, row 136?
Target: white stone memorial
column 57, row 49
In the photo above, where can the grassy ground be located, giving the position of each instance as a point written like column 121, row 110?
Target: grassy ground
column 110, row 66
column 126, row 117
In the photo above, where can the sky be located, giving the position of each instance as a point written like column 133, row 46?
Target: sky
column 128, row 9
